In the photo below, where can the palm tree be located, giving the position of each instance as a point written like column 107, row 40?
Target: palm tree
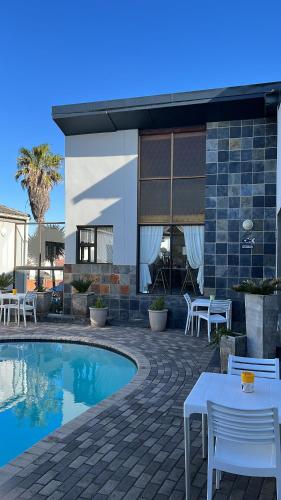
column 38, row 169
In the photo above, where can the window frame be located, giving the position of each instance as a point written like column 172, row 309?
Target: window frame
column 190, row 219
column 190, row 222
column 80, row 245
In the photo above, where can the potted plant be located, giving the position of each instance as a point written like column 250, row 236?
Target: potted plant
column 82, row 299
column 6, row 281
column 261, row 306
column 158, row 315
column 44, row 300
column 229, row 342
column 98, row 313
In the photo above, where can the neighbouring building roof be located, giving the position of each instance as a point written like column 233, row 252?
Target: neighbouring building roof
column 169, row 110
column 12, row 213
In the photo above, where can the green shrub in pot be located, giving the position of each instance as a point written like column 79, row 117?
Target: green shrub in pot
column 158, row 315
column 98, row 313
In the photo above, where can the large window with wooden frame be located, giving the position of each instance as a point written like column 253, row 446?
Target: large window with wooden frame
column 95, row 244
column 171, row 186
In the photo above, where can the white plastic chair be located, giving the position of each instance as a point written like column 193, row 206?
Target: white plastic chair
column 3, row 309
column 190, row 314
column 215, row 315
column 244, row 442
column 28, row 306
column 262, row 368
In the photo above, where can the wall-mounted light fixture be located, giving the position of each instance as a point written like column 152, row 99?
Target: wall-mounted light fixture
column 247, row 225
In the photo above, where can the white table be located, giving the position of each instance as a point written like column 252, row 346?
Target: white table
column 226, row 390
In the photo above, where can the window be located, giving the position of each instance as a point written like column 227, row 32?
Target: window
column 170, row 202
column 95, row 244
column 172, row 178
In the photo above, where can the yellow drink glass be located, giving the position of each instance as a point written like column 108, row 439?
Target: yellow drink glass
column 247, row 381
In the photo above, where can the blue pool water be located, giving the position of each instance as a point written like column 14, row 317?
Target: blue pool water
column 43, row 385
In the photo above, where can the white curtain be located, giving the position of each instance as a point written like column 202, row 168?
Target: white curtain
column 194, row 243
column 150, row 243
column 105, row 244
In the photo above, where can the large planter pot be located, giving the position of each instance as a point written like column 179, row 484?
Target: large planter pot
column 81, row 303
column 43, row 303
column 261, row 325
column 158, row 320
column 236, row 345
column 98, row 316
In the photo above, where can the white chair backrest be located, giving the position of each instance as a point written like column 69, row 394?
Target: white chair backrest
column 30, row 297
column 219, row 306
column 188, row 301
column 243, row 426
column 262, row 368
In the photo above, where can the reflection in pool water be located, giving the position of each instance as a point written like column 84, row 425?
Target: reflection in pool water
column 43, row 385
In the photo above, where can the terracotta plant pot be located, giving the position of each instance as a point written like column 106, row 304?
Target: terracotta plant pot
column 98, row 316
column 158, row 320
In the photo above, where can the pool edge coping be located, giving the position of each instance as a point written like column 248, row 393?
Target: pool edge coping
column 14, row 467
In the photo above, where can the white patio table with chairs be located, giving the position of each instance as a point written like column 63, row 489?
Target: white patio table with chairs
column 213, row 311
column 230, row 411
column 21, row 304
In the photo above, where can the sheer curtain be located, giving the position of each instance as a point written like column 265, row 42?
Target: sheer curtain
column 105, row 244
column 150, row 243
column 194, row 243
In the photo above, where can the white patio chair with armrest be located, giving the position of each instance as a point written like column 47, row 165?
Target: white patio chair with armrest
column 262, row 368
column 243, row 442
column 28, row 306
column 215, row 315
column 190, row 314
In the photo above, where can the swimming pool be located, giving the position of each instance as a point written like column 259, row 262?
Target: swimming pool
column 43, row 385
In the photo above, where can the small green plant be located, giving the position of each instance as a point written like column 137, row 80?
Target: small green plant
column 222, row 332
column 158, row 304
column 6, row 280
column 81, row 285
column 99, row 304
column 40, row 288
column 262, row 287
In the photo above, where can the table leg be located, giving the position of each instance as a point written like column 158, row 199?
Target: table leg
column 204, row 435
column 187, row 457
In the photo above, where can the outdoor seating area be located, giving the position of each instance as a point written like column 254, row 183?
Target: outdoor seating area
column 214, row 312
column 136, row 444
column 243, row 429
column 20, row 305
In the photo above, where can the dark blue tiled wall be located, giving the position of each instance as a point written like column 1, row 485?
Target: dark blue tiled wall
column 241, row 184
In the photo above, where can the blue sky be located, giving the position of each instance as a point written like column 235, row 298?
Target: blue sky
column 57, row 52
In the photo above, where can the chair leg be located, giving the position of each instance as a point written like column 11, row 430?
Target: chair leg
column 192, row 325
column 209, row 331
column 24, row 317
column 218, row 479
column 198, row 325
column 210, row 483
column 278, row 487
column 204, row 435
column 186, row 324
column 35, row 317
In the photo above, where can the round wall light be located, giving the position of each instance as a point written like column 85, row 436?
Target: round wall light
column 247, row 225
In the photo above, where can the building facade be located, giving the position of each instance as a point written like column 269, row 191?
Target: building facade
column 169, row 194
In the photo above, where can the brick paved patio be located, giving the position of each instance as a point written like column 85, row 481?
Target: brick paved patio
column 131, row 445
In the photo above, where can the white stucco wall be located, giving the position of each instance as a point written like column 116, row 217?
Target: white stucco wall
column 278, row 186
column 101, row 188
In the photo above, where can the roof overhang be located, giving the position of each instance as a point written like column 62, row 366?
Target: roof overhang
column 169, row 110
